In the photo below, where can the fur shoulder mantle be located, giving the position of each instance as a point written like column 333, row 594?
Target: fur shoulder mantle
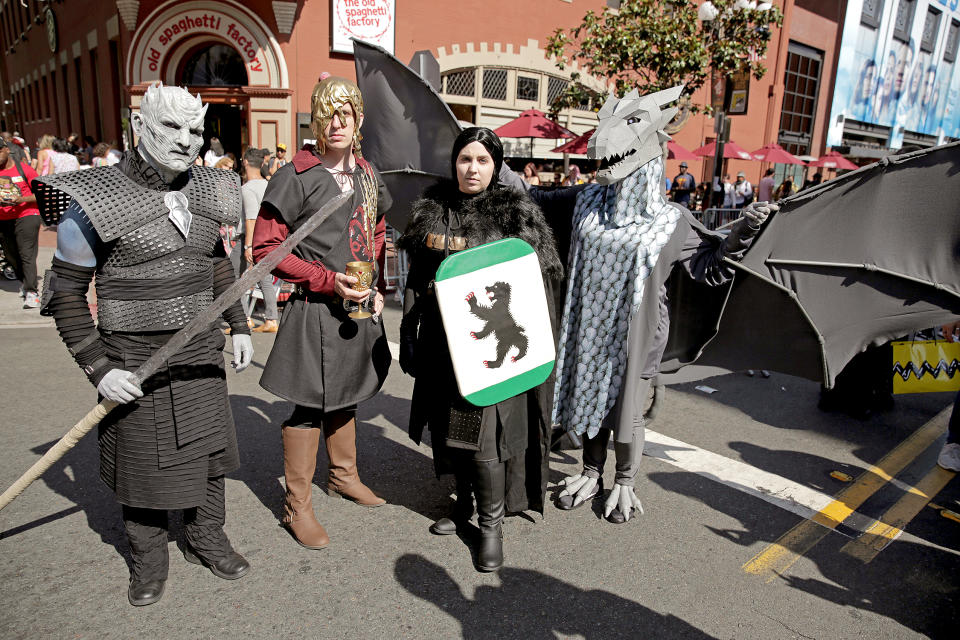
column 491, row 215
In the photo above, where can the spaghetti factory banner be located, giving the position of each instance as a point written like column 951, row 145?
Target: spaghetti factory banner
column 368, row 20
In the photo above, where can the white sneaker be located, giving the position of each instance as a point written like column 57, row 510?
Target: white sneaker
column 31, row 300
column 949, row 457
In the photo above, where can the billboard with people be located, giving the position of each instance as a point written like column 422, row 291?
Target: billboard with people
column 897, row 68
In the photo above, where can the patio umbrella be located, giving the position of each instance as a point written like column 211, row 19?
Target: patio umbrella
column 533, row 124
column 731, row 151
column 577, row 145
column 676, row 152
column 833, row 160
column 776, row 154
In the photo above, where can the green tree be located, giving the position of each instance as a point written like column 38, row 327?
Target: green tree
column 653, row 45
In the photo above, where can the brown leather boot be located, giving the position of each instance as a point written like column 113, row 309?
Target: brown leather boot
column 340, row 431
column 299, row 462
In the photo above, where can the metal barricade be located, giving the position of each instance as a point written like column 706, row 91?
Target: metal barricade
column 715, row 218
column 395, row 265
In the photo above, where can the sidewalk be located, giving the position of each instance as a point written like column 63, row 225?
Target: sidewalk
column 12, row 313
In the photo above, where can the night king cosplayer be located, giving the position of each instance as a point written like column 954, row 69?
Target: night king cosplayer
column 626, row 240
column 149, row 230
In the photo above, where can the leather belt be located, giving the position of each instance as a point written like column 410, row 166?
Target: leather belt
column 438, row 241
column 312, row 296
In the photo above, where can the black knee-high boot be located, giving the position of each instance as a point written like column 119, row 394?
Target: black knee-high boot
column 462, row 508
column 490, row 479
column 147, row 533
column 207, row 543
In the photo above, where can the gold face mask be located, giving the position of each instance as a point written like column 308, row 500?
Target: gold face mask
column 327, row 99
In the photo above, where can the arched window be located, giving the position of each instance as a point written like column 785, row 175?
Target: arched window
column 218, row 65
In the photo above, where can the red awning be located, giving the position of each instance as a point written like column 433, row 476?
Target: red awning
column 676, row 152
column 533, row 124
column 731, row 151
column 776, row 154
column 833, row 160
column 577, row 145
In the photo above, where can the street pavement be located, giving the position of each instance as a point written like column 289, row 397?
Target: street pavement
column 746, row 534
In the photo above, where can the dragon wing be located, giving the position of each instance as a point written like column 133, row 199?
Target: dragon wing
column 859, row 260
column 408, row 130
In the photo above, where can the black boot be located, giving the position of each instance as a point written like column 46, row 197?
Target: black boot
column 147, row 533
column 490, row 486
column 206, row 542
column 462, row 508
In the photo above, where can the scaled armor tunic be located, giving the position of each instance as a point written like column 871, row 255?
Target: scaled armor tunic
column 625, row 242
column 158, row 451
column 321, row 357
column 519, row 424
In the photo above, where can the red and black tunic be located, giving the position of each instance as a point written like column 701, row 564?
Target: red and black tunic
column 321, row 357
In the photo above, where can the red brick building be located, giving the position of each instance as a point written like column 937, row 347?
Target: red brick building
column 86, row 67
column 255, row 62
column 790, row 105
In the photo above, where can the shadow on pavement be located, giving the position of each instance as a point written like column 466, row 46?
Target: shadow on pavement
column 9, row 286
column 806, row 468
column 790, row 403
column 530, row 604
column 922, row 573
column 400, row 474
column 76, row 476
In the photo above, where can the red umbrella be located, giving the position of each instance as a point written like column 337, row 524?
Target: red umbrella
column 833, row 160
column 776, row 154
column 676, row 152
column 577, row 145
column 731, row 151
column 533, row 124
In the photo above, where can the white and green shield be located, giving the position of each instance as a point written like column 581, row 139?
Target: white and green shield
column 494, row 310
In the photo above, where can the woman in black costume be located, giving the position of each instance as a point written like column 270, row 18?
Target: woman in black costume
column 499, row 452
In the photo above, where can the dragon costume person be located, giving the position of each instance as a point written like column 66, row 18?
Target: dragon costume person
column 625, row 242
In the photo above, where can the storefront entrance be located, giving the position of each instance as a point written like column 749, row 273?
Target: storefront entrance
column 224, row 52
column 210, row 69
column 227, row 122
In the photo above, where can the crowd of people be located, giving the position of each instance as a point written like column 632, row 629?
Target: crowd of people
column 269, row 161
column 533, row 174
column 735, row 195
column 19, row 216
column 684, row 188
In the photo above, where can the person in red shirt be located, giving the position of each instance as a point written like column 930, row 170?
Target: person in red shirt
column 19, row 223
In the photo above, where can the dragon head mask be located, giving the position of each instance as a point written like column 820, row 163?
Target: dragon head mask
column 630, row 132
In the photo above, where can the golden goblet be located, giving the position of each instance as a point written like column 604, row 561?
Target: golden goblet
column 363, row 272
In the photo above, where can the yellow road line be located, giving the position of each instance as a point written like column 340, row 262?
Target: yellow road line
column 779, row 556
column 891, row 524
